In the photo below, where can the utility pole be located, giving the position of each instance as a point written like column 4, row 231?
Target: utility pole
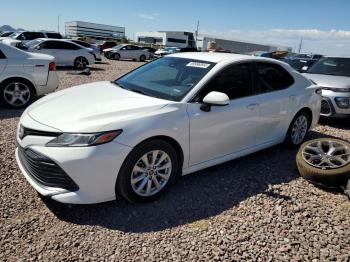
column 58, row 24
column 300, row 45
column 197, row 30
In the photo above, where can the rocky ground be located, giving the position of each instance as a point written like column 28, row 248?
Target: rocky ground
column 256, row 208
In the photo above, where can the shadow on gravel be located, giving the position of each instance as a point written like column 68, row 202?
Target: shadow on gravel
column 194, row 197
column 341, row 123
column 71, row 68
column 6, row 113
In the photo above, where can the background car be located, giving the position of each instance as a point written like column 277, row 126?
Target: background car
column 151, row 50
column 6, row 33
column 95, row 49
column 301, row 60
column 173, row 116
column 23, row 76
column 26, row 36
column 126, row 51
column 65, row 52
column 333, row 75
column 102, row 45
column 166, row 51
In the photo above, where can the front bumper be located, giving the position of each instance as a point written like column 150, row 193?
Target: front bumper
column 93, row 169
column 329, row 106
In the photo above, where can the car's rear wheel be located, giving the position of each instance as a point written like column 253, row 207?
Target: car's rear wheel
column 148, row 171
column 16, row 93
column 116, row 56
column 80, row 62
column 298, row 129
column 142, row 58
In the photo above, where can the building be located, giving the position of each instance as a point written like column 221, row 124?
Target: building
column 98, row 31
column 166, row 38
column 204, row 42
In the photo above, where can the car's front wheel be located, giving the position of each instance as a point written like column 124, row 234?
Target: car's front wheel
column 80, row 63
column 148, row 171
column 298, row 129
column 16, row 93
column 116, row 56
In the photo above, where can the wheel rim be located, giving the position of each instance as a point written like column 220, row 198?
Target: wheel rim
column 17, row 94
column 80, row 62
column 151, row 173
column 299, row 129
column 326, row 154
column 143, row 58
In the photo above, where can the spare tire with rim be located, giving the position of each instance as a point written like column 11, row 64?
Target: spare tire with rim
column 325, row 161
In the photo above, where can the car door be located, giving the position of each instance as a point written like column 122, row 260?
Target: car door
column 125, row 52
column 49, row 47
column 277, row 100
column 3, row 62
column 70, row 52
column 224, row 129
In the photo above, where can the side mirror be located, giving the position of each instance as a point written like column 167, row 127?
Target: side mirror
column 38, row 47
column 214, row 99
column 304, row 69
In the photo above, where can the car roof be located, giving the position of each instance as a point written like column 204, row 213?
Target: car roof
column 220, row 57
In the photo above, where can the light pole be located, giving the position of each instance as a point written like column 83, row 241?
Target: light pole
column 58, row 23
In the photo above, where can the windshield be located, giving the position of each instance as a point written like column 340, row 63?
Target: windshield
column 168, row 78
column 331, row 66
column 33, row 43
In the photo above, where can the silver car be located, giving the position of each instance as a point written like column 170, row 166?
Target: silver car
column 333, row 75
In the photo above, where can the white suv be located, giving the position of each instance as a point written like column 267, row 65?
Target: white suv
column 333, row 75
column 24, row 75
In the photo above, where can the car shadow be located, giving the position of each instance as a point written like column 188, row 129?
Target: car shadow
column 194, row 197
column 7, row 113
column 340, row 123
column 71, row 68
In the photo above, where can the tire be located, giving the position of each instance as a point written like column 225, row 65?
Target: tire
column 127, row 173
column 332, row 177
column 80, row 63
column 142, row 58
column 16, row 93
column 115, row 56
column 289, row 140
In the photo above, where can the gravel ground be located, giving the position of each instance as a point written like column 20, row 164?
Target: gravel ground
column 256, row 208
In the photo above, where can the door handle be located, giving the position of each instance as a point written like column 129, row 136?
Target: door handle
column 252, row 106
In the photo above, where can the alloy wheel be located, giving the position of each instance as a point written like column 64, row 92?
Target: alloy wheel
column 299, row 129
column 326, row 154
column 151, row 173
column 16, row 94
column 80, row 63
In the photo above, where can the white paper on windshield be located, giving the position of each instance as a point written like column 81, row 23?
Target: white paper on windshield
column 197, row 64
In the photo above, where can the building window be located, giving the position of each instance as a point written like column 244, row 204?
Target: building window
column 175, row 40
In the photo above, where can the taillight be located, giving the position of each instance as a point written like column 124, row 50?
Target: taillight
column 52, row 66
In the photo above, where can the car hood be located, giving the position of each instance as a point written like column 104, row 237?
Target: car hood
column 329, row 80
column 91, row 107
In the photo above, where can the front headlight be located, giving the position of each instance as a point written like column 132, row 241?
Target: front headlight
column 79, row 140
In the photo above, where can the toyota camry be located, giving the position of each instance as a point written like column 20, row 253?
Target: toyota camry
column 173, row 116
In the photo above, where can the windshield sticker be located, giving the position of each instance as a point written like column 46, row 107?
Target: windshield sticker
column 197, row 64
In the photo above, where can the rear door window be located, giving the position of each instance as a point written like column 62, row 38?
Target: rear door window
column 272, row 77
column 54, row 35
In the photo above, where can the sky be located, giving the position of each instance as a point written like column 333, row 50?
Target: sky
column 324, row 25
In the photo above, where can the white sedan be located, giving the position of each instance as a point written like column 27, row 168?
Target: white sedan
column 24, row 75
column 126, row 51
column 66, row 53
column 173, row 116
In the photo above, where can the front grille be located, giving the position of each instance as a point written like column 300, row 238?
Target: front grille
column 32, row 132
column 44, row 171
column 325, row 107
